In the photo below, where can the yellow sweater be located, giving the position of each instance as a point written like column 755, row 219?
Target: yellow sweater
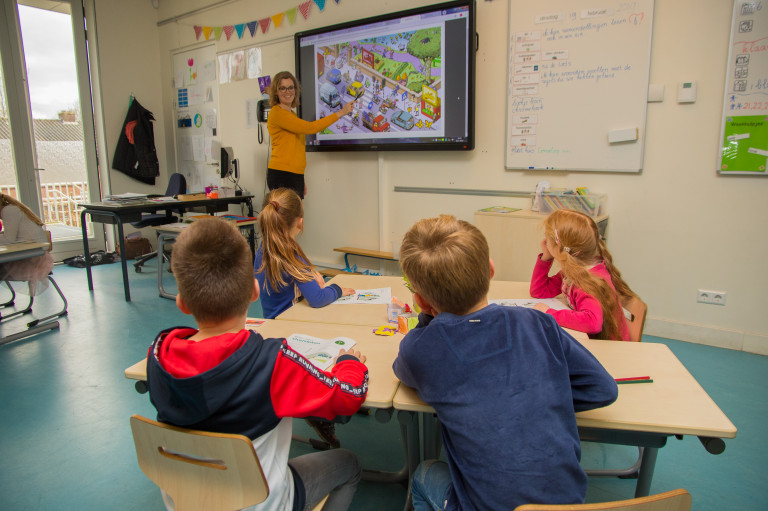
column 287, row 132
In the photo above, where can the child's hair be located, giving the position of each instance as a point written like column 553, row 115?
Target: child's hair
column 212, row 264
column 582, row 246
column 447, row 262
column 274, row 99
column 7, row 200
column 281, row 209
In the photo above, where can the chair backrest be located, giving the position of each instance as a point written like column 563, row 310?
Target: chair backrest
column 199, row 470
column 636, row 323
column 675, row 500
column 177, row 184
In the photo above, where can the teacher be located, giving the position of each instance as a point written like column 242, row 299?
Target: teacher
column 286, row 131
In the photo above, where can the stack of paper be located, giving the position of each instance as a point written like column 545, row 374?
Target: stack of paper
column 127, row 198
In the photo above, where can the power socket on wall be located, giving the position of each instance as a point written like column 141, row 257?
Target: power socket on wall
column 713, row 297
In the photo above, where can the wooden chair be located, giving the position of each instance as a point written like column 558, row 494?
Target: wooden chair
column 200, row 470
column 675, row 500
column 637, row 308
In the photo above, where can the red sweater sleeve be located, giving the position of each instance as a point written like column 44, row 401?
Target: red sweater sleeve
column 542, row 285
column 299, row 389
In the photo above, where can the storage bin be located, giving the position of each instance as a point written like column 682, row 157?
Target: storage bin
column 593, row 204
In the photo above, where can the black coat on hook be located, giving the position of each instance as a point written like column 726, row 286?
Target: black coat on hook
column 135, row 153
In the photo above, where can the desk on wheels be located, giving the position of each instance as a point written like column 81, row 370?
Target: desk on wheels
column 170, row 232
column 644, row 415
column 17, row 252
column 119, row 214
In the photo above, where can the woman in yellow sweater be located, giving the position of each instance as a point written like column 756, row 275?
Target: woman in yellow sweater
column 287, row 130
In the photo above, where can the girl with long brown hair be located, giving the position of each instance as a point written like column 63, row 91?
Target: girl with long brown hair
column 588, row 278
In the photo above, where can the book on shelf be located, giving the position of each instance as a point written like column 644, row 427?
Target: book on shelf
column 500, row 209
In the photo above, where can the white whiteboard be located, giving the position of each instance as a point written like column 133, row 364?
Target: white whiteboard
column 577, row 76
column 195, row 122
column 744, row 128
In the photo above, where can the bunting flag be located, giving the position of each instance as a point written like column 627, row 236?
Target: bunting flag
column 264, row 22
column 277, row 19
column 291, row 15
column 304, row 8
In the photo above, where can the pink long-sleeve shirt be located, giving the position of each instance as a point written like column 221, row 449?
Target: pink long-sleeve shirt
column 585, row 314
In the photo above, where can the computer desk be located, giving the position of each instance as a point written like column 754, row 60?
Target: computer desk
column 644, row 415
column 119, row 214
column 17, row 252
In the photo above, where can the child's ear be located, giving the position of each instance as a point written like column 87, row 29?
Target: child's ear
column 255, row 295
column 181, row 305
column 493, row 267
column 424, row 305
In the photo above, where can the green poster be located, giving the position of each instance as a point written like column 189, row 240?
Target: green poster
column 745, row 144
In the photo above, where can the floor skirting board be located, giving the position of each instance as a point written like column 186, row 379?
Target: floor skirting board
column 750, row 342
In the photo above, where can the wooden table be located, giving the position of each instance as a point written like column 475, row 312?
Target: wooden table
column 364, row 314
column 644, row 414
column 17, row 252
column 119, row 214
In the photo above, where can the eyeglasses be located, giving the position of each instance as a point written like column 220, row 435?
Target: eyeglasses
column 290, row 88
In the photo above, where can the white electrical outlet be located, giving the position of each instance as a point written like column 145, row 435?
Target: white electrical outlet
column 713, row 297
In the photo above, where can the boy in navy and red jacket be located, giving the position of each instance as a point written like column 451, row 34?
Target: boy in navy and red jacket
column 223, row 378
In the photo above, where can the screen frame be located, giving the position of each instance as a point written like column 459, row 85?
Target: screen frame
column 408, row 143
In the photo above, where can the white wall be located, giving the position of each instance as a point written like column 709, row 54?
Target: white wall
column 674, row 228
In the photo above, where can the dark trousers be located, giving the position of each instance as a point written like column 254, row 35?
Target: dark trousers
column 282, row 179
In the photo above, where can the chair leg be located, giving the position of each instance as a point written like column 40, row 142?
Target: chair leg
column 143, row 259
column 626, row 473
column 10, row 302
column 21, row 312
column 62, row 312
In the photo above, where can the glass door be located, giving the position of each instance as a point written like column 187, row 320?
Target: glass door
column 45, row 81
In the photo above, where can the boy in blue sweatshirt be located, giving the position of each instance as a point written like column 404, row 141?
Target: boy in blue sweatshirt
column 505, row 381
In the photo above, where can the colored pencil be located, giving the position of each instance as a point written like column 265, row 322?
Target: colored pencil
column 633, row 381
column 634, row 378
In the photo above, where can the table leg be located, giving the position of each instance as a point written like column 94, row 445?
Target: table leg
column 123, row 260
column 160, row 249
column 645, row 476
column 86, row 254
column 430, row 429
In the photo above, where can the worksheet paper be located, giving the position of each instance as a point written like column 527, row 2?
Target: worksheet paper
column 552, row 303
column 320, row 352
column 375, row 296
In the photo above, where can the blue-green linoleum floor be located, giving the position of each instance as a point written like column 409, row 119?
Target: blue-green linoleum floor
column 65, row 442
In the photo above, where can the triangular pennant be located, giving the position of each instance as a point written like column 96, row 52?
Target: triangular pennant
column 304, row 8
column 239, row 28
column 198, row 31
column 252, row 27
column 277, row 19
column 320, row 4
column 228, row 29
column 217, row 32
column 264, row 22
column 207, row 32
column 291, row 15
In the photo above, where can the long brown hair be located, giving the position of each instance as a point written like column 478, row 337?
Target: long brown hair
column 274, row 99
column 7, row 200
column 281, row 209
column 580, row 246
